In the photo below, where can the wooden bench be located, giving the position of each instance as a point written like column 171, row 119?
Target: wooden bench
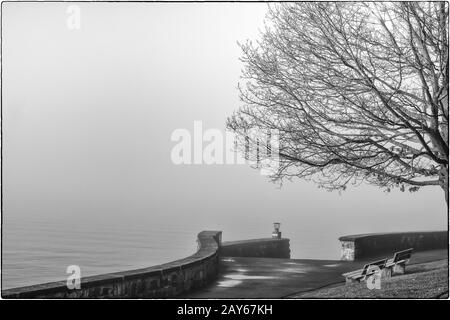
column 388, row 267
column 397, row 264
column 368, row 270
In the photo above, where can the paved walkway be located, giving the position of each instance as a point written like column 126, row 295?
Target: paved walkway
column 280, row 278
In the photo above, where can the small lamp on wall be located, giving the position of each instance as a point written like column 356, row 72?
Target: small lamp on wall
column 276, row 234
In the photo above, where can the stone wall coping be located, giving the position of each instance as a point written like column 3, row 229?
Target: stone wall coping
column 240, row 242
column 387, row 234
column 208, row 247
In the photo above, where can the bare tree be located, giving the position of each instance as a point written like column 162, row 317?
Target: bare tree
column 357, row 91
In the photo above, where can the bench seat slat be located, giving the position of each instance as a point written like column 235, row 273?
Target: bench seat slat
column 354, row 276
column 353, row 273
column 359, row 276
column 388, row 265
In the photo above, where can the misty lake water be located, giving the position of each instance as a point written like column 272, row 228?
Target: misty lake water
column 40, row 250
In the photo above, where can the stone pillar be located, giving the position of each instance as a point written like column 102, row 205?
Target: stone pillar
column 347, row 250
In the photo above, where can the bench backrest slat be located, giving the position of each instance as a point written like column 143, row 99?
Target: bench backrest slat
column 403, row 255
column 379, row 264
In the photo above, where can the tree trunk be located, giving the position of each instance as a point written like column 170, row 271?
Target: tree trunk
column 443, row 177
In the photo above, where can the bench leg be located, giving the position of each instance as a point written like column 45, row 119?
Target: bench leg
column 399, row 268
column 386, row 273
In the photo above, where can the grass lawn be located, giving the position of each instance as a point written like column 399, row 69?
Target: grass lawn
column 425, row 280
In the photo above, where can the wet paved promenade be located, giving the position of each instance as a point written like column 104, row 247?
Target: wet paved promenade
column 280, row 278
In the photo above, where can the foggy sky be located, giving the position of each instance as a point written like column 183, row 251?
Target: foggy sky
column 88, row 115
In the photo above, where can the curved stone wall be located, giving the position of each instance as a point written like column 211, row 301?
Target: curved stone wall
column 262, row 248
column 365, row 245
column 161, row 281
